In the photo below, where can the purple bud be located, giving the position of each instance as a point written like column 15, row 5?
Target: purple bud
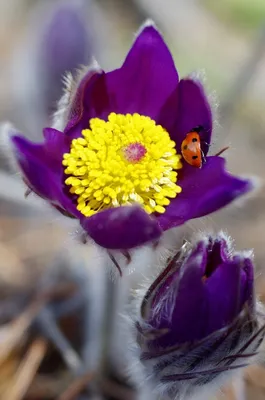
column 198, row 320
column 58, row 41
column 65, row 47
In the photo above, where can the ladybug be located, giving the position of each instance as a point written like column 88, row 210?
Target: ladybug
column 191, row 149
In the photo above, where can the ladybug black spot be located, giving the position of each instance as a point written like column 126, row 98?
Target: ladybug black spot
column 194, row 140
column 194, row 157
column 198, row 129
column 185, row 147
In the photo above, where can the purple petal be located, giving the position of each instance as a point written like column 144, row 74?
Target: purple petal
column 204, row 191
column 56, row 144
column 170, row 279
column 35, row 165
column 168, row 116
column 190, row 305
column 143, row 84
column 33, row 162
column 90, row 101
column 191, row 107
column 224, row 288
column 199, row 257
column 147, row 77
column 218, row 253
column 121, row 228
column 247, row 280
column 249, row 289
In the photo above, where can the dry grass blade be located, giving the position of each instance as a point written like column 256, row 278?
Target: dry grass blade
column 117, row 391
column 233, row 391
column 12, row 333
column 50, row 329
column 76, row 387
column 49, row 387
column 255, row 375
column 27, row 370
column 8, row 370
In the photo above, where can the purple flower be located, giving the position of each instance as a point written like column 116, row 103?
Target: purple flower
column 198, row 319
column 64, row 47
column 57, row 43
column 120, row 145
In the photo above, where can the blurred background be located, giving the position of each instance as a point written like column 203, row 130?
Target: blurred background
column 221, row 41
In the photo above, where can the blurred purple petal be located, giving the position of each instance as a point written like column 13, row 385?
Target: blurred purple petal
column 57, row 41
column 65, row 46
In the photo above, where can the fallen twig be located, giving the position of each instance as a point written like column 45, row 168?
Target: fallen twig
column 76, row 387
column 27, row 370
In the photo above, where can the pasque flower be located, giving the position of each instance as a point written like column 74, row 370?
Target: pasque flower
column 57, row 42
column 65, row 45
column 198, row 320
column 116, row 162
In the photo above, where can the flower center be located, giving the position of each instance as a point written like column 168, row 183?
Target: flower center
column 134, row 152
column 125, row 160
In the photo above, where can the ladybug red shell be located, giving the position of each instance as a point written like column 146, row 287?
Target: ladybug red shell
column 191, row 149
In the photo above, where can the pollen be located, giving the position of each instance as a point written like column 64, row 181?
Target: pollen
column 125, row 160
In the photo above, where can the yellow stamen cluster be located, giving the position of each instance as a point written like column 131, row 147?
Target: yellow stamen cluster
column 125, row 160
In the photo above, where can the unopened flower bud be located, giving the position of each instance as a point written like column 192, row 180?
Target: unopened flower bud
column 198, row 320
column 65, row 47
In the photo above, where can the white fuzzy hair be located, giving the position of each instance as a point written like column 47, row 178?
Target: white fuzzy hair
column 71, row 84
